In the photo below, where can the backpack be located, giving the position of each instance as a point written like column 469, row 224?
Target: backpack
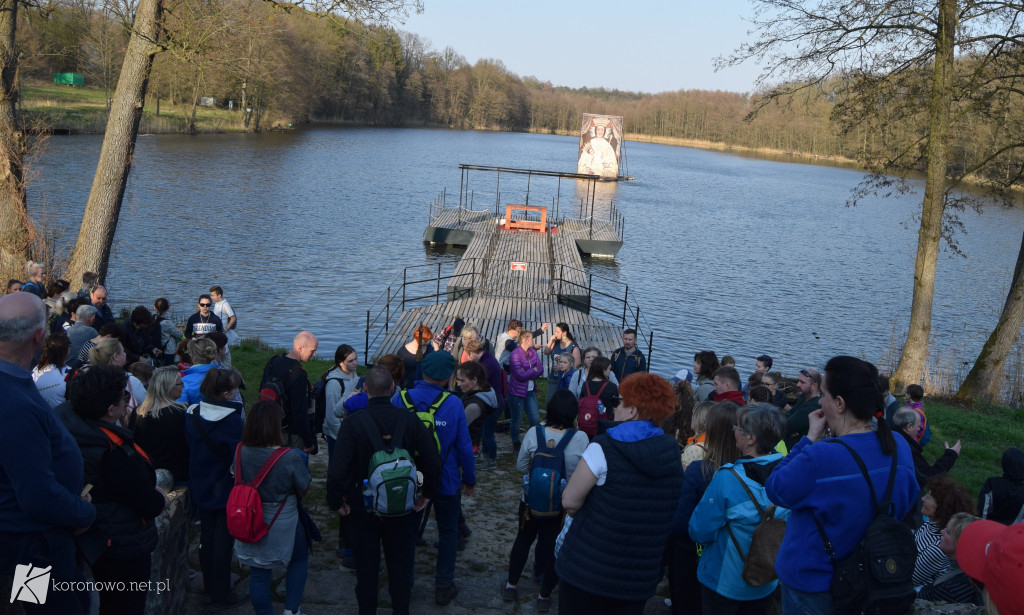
column 245, row 508
column 547, row 476
column 589, row 412
column 759, row 562
column 877, row 578
column 391, row 475
column 427, row 416
column 273, row 386
column 320, row 401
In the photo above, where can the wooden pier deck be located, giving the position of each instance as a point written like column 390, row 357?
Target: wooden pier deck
column 534, row 276
column 491, row 316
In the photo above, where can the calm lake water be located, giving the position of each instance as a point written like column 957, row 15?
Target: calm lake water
column 739, row 255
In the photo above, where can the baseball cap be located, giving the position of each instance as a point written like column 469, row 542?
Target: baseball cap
column 683, row 374
column 993, row 553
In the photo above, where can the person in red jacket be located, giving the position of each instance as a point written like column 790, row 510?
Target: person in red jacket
column 727, row 385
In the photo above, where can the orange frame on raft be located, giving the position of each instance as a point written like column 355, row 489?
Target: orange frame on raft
column 526, row 225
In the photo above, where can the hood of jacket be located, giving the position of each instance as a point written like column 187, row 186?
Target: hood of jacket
column 733, row 396
column 488, row 397
column 219, row 411
column 644, row 446
column 1013, row 464
column 758, row 468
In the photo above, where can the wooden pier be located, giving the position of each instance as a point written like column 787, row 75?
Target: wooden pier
column 535, row 276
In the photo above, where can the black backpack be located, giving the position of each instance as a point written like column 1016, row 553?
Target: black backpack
column 320, row 401
column 877, row 578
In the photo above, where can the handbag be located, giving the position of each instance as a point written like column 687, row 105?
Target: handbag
column 759, row 562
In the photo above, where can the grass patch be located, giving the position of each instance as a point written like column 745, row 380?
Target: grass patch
column 984, row 430
column 84, row 109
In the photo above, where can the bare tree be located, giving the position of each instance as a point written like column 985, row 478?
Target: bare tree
column 896, row 61
column 16, row 229
column 99, row 223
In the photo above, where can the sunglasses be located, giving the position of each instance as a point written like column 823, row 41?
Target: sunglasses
column 205, row 304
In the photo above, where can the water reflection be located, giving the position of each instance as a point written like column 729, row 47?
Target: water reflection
column 741, row 255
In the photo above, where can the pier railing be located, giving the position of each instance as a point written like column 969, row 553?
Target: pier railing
column 422, row 285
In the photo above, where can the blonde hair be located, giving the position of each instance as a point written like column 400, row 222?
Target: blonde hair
column 700, row 415
column 158, row 393
column 104, row 351
column 202, row 351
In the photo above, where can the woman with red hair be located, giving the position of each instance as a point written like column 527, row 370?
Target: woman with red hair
column 621, row 498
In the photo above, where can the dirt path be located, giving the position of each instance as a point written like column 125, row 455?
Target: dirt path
column 480, row 570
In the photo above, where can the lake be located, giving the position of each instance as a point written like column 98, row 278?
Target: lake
column 735, row 254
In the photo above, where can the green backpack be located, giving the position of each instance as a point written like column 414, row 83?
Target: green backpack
column 391, row 476
column 426, row 416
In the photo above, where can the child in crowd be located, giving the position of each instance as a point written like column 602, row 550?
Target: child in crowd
column 915, row 393
column 695, row 446
column 223, row 310
column 563, row 367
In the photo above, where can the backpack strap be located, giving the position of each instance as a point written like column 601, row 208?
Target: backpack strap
column 540, row 436
column 204, row 436
column 564, row 442
column 398, row 433
column 760, row 511
column 886, row 498
column 118, row 441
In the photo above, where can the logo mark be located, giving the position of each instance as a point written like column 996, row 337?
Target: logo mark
column 30, row 583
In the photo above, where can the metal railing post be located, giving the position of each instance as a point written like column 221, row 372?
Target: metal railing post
column 636, row 322
column 404, row 270
column 650, row 349
column 366, row 342
column 437, row 295
column 625, row 304
column 387, row 311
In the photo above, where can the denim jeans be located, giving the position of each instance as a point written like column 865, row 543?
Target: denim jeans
column 516, row 406
column 446, row 511
column 796, row 602
column 295, row 579
column 488, row 444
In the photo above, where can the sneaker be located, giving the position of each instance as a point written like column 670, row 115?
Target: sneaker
column 668, row 602
column 464, row 530
column 443, row 596
column 543, row 604
column 486, row 463
column 508, row 593
column 299, row 612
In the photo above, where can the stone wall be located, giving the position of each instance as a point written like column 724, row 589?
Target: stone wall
column 170, row 558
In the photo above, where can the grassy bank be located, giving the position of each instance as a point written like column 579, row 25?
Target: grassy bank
column 984, row 430
column 82, row 109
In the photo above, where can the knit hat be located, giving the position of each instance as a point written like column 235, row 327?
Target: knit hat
column 993, row 554
column 439, row 365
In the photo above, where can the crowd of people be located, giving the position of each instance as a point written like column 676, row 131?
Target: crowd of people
column 628, row 478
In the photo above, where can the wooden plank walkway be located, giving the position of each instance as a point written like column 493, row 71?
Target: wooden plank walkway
column 491, row 316
column 603, row 230
column 451, row 217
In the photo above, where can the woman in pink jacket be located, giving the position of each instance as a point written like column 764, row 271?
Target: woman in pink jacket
column 526, row 367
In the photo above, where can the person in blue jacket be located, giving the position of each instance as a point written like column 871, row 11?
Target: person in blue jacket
column 820, row 479
column 41, row 471
column 213, row 429
column 457, row 473
column 726, row 516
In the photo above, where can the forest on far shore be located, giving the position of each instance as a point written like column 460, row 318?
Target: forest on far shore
column 278, row 68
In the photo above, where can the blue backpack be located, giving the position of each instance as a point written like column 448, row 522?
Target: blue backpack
column 547, row 476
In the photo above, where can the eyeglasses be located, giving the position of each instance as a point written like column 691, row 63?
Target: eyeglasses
column 616, row 400
column 205, row 304
column 739, row 429
column 127, row 396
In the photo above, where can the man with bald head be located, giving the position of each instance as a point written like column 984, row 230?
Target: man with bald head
column 41, row 469
column 285, row 381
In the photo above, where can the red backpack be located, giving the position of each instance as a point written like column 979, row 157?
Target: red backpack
column 245, row 508
column 589, row 415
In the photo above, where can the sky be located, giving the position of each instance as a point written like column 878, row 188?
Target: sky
column 646, row 45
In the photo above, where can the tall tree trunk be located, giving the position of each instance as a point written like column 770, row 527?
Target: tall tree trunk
column 915, row 350
column 16, row 230
column 983, row 381
column 96, row 235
